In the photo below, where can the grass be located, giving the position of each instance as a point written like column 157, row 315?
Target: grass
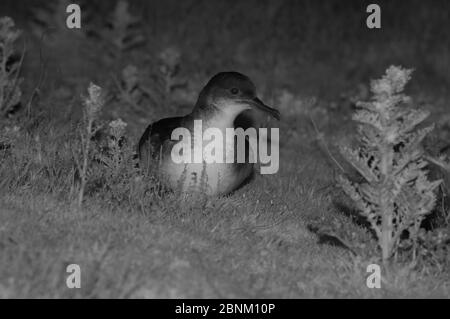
column 132, row 241
column 253, row 244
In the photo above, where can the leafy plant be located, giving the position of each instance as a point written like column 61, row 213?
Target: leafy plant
column 130, row 88
column 395, row 194
column 93, row 104
column 435, row 246
column 443, row 161
column 134, row 92
column 170, row 59
column 10, row 66
column 172, row 86
column 113, row 154
column 144, row 88
column 115, row 176
column 122, row 33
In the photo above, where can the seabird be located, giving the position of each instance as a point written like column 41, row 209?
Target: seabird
column 221, row 101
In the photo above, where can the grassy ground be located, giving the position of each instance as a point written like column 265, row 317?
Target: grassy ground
column 261, row 241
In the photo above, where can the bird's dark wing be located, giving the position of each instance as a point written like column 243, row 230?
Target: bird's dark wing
column 155, row 136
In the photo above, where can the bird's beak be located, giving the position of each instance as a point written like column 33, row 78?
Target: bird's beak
column 257, row 103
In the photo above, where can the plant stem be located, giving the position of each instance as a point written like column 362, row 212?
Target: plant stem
column 85, row 162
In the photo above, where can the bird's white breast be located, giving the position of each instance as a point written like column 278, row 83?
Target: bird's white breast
column 206, row 177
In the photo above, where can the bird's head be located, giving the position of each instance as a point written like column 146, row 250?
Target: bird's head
column 232, row 93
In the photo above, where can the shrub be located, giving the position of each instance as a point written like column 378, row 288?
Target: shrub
column 395, row 194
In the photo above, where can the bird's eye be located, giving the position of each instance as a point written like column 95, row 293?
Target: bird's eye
column 234, row 91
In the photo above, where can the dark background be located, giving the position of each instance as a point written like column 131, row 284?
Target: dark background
column 317, row 47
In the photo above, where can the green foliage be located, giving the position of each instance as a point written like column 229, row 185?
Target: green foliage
column 396, row 194
column 10, row 93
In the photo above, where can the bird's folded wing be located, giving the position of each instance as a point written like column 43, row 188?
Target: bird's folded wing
column 156, row 137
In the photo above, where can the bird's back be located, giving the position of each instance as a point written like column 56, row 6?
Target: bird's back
column 155, row 138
